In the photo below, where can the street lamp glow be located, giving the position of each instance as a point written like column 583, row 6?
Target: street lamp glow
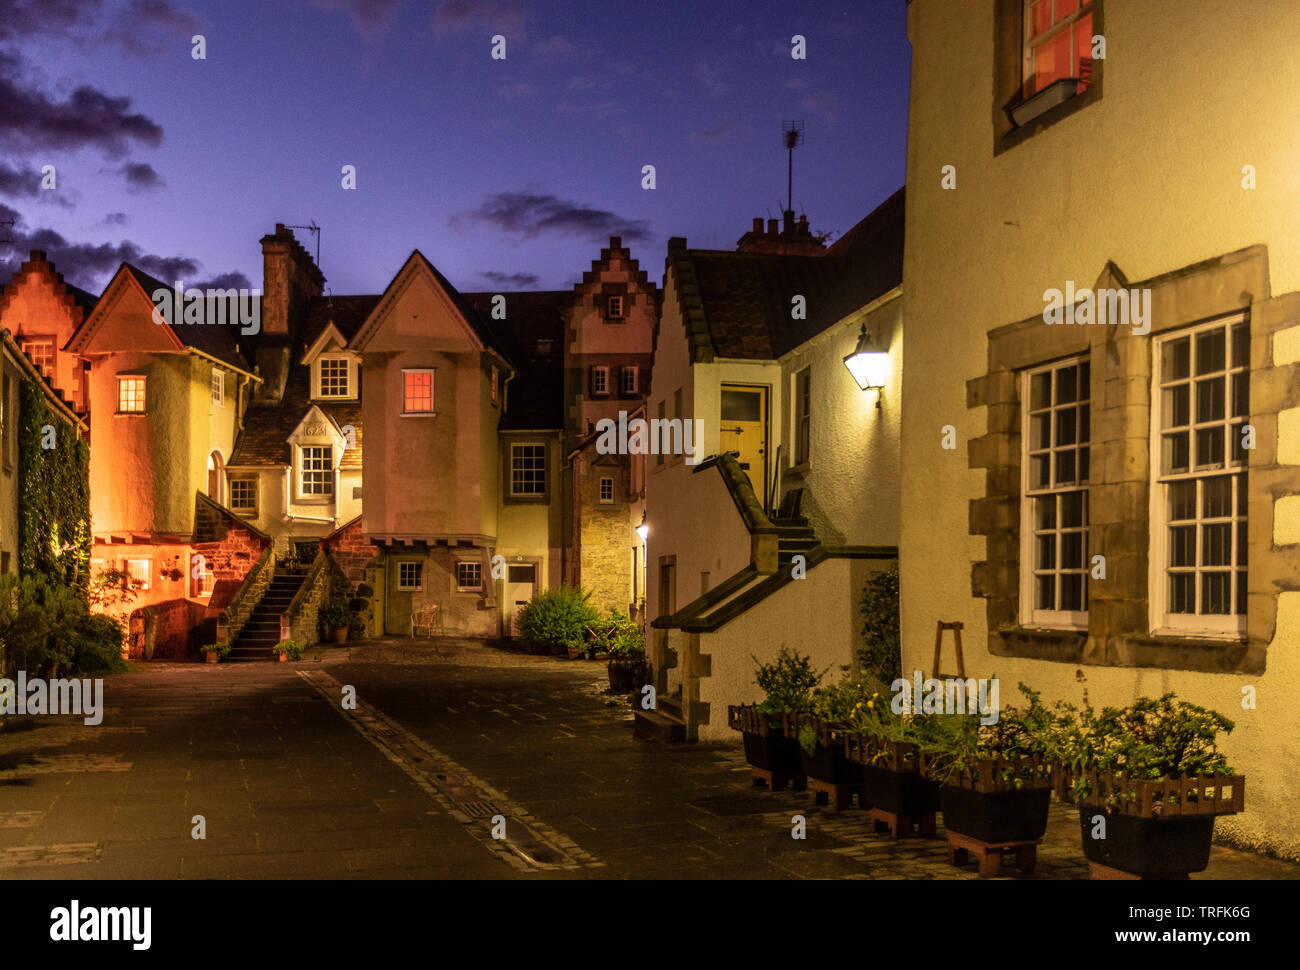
column 643, row 530
column 868, row 363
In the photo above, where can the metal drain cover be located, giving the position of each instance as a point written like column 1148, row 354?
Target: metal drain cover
column 480, row 809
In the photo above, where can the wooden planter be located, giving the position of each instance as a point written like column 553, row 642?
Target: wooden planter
column 833, row 777
column 899, row 795
column 625, row 674
column 987, row 805
column 773, row 757
column 1155, row 829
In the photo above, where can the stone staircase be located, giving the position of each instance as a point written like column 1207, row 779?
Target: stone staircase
column 795, row 537
column 261, row 633
column 665, row 725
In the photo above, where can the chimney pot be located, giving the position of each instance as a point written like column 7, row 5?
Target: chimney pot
column 789, row 221
column 772, row 227
column 758, row 226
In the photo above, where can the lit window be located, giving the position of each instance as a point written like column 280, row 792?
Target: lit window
column 410, row 576
column 469, row 576
column 629, row 377
column 218, row 387
column 600, row 379
column 130, row 395
column 495, row 384
column 614, row 307
column 1056, row 462
column 528, row 469
column 417, row 397
column 317, row 471
column 803, row 416
column 202, row 579
column 1199, row 524
column 333, row 377
column 243, row 494
column 1058, row 43
column 607, row 491
column 138, row 572
column 41, row 354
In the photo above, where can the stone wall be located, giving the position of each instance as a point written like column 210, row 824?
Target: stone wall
column 604, row 533
column 250, row 592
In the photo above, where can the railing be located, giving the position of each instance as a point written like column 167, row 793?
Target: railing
column 298, row 621
column 232, row 619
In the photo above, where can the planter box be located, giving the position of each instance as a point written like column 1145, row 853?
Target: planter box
column 1056, row 93
column 767, row 748
column 998, row 816
column 905, row 793
column 626, row 675
column 828, row 763
column 1153, row 848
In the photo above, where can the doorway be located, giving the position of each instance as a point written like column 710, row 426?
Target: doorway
column 744, row 430
column 521, row 586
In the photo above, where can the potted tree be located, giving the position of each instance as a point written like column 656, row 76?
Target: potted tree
column 768, row 728
column 624, row 643
column 1150, row 780
column 213, row 652
column 334, row 619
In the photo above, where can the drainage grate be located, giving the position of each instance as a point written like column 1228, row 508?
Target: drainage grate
column 480, row 809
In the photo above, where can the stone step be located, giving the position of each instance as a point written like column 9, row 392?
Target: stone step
column 670, row 706
column 659, row 727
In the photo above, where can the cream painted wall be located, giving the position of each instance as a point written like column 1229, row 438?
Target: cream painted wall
column 851, row 483
column 1150, row 177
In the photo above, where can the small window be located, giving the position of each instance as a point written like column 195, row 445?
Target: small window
column 417, row 397
column 544, row 347
column 803, row 416
column 410, row 577
column 138, row 572
column 243, row 495
column 528, row 469
column 495, row 384
column 218, row 387
column 607, row 491
column 334, row 377
column 600, row 379
column 469, row 576
column 41, row 353
column 629, row 380
column 130, row 395
column 202, row 579
column 1058, row 43
column 614, row 307
column 316, row 476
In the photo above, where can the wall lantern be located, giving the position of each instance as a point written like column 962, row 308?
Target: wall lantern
column 868, row 364
column 643, row 530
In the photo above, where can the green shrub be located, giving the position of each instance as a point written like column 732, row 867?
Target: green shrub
column 37, row 622
column 220, row 648
column 620, row 636
column 334, row 615
column 881, row 654
column 290, row 648
column 97, row 645
column 558, row 618
column 787, row 683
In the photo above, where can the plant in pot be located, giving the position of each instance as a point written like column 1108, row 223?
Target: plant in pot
column 213, row 652
column 885, row 744
column 335, row 618
column 625, row 645
column 771, row 745
column 836, row 710
column 289, row 650
column 1149, row 785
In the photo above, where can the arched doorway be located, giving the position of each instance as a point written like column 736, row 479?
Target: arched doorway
column 217, row 478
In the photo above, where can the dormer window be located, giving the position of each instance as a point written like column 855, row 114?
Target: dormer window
column 614, row 307
column 334, row 377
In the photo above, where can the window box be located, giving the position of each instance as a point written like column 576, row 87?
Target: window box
column 1056, row 93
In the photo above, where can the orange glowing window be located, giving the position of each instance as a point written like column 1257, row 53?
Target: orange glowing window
column 137, row 571
column 1058, row 43
column 130, row 395
column 41, row 353
column 417, row 394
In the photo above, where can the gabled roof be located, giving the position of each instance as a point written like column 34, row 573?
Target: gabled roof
column 264, row 439
column 738, row 304
column 78, row 302
column 347, row 313
column 536, row 396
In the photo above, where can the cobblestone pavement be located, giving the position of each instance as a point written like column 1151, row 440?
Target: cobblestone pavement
column 450, row 743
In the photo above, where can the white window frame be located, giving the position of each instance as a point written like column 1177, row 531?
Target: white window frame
column 405, row 587
column 600, row 380
column 332, row 395
column 131, row 578
column 231, row 482
column 1030, row 615
column 218, row 387
column 460, row 585
column 122, row 381
column 29, row 344
column 600, row 490
column 545, row 489
column 1229, row 626
column 433, row 386
column 629, row 386
column 302, row 472
column 1028, row 43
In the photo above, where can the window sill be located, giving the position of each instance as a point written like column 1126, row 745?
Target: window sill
column 418, row 414
column 130, row 414
column 1049, row 117
column 802, row 468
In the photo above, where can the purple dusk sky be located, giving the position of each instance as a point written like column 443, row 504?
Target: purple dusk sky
column 508, row 174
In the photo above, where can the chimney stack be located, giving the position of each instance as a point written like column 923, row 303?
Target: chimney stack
column 290, row 278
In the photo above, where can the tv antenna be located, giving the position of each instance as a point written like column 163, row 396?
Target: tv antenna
column 315, row 230
column 792, row 136
column 6, row 239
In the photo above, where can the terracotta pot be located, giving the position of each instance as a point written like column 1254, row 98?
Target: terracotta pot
column 284, row 657
column 574, row 654
column 212, row 657
column 340, row 635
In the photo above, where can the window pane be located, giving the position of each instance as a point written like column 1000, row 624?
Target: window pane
column 1040, row 431
column 1215, row 593
column 1072, row 592
column 1039, row 471
column 741, row 406
column 1047, row 592
column 1176, row 411
column 1182, row 501
column 1235, row 434
column 1176, row 361
column 1216, row 497
column 1241, row 495
column 1084, row 470
column 1240, row 396
column 1067, row 385
column 1072, row 510
column 1209, row 447
column 1066, row 426
column 1241, row 591
column 1210, row 351
column 1040, row 17
column 1209, row 400
column 1072, row 550
column 1182, row 545
column 1052, row 60
column 1241, row 543
column 1083, row 49
column 1064, row 8
column 1085, row 417
column 1174, row 453
column 1045, row 513
column 1214, row 544
column 1241, row 345
column 1065, row 467
column 1047, row 551
column 1040, row 391
column 1182, row 593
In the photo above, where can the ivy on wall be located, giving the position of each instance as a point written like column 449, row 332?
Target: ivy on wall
column 53, row 493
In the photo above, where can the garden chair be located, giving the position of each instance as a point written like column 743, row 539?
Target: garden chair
column 428, row 619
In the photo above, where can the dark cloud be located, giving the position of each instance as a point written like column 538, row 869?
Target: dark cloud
column 141, row 176
column 530, row 214
column 147, row 26
column 26, row 182
column 88, row 118
column 226, row 281
column 500, row 16
column 89, row 265
column 373, row 18
column 27, row 18
column 505, row 280
column 115, row 219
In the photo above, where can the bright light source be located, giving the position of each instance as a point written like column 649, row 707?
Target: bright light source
column 868, row 363
column 643, row 530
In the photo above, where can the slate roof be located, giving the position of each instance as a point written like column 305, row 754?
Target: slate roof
column 215, row 340
column 736, row 304
column 264, row 439
column 536, row 395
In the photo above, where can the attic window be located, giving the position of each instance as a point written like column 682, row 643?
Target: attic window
column 41, row 353
column 614, row 307
column 334, row 377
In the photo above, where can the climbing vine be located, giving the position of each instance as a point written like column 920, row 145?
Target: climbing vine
column 53, row 493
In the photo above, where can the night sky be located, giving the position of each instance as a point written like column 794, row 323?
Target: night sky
column 507, row 174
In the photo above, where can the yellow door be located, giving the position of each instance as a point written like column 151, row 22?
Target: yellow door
column 744, row 431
